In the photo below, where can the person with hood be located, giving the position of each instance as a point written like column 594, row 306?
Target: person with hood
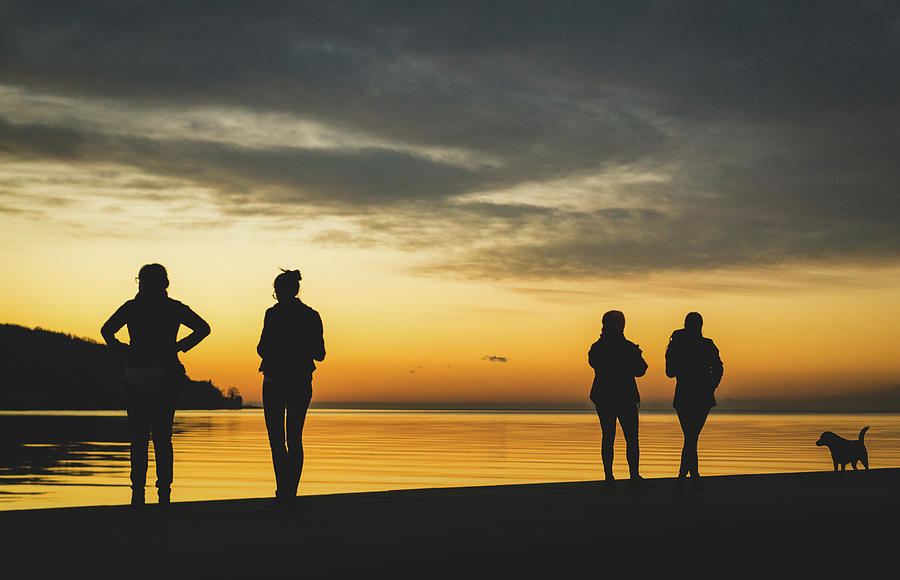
column 616, row 362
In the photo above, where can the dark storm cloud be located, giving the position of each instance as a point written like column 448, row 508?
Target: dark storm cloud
column 775, row 124
column 393, row 70
column 290, row 175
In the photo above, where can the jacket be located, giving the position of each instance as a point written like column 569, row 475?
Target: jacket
column 693, row 361
column 292, row 338
column 153, row 321
column 616, row 362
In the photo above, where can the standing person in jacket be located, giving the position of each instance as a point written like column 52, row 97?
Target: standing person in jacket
column 616, row 362
column 290, row 343
column 693, row 360
column 153, row 373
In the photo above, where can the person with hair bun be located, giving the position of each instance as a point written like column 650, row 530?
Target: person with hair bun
column 153, row 374
column 616, row 362
column 291, row 341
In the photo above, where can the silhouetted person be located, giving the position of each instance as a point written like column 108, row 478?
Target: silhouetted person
column 153, row 373
column 693, row 360
column 290, row 343
column 616, row 362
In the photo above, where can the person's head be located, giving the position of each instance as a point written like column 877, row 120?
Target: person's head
column 613, row 321
column 693, row 322
column 287, row 284
column 153, row 278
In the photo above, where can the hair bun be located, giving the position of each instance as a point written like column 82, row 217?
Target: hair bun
column 292, row 273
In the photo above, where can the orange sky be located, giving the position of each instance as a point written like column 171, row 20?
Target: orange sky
column 395, row 337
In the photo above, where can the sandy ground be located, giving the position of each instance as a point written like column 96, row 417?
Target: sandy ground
column 777, row 525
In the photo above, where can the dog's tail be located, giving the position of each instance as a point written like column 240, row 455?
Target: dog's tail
column 862, row 433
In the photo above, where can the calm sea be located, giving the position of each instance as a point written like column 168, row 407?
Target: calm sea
column 52, row 459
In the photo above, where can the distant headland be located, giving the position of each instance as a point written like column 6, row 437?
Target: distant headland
column 43, row 369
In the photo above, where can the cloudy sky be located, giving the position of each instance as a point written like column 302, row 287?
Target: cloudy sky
column 467, row 187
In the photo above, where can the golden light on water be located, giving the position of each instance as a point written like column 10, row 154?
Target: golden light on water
column 225, row 455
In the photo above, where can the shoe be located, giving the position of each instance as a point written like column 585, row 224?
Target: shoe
column 165, row 497
column 137, row 499
column 680, row 484
column 287, row 502
column 638, row 482
column 276, row 505
column 269, row 505
column 609, row 482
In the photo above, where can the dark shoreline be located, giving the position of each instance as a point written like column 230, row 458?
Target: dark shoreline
column 802, row 521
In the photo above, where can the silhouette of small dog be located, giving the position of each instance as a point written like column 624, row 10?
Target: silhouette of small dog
column 844, row 451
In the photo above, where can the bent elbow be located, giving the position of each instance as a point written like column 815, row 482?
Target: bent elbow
column 200, row 332
column 109, row 336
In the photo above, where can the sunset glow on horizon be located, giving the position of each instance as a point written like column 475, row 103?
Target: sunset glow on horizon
column 465, row 198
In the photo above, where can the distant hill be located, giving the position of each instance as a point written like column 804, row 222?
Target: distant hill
column 883, row 400
column 41, row 369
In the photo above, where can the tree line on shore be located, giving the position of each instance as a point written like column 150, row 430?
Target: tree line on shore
column 42, row 369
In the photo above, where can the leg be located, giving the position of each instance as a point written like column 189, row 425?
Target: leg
column 298, row 404
column 701, row 417
column 274, row 406
column 162, row 449
column 692, row 421
column 139, row 429
column 608, row 429
column 628, row 419
column 685, row 423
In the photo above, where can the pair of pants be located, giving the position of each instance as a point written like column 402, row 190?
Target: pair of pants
column 627, row 416
column 151, row 412
column 285, row 402
column 692, row 420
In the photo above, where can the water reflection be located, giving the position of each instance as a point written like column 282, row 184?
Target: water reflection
column 47, row 449
column 62, row 459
